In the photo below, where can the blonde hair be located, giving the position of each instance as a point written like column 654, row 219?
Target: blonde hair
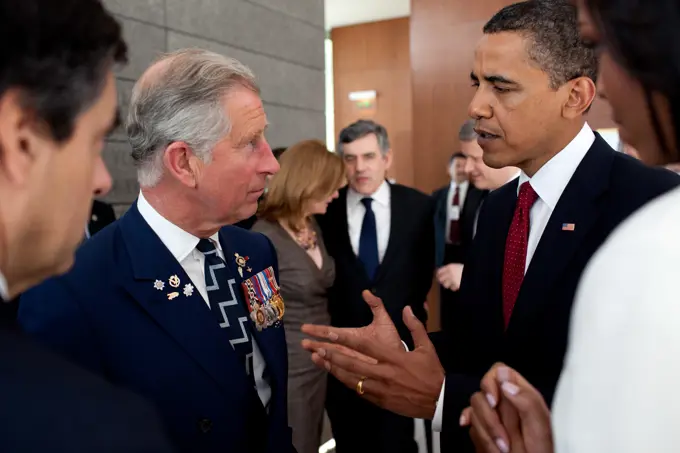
column 309, row 172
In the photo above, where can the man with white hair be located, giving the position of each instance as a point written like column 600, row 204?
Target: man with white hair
column 170, row 301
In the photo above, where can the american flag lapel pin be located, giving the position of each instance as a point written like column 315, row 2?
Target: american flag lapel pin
column 568, row 226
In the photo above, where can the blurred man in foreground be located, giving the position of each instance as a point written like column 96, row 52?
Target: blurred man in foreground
column 57, row 104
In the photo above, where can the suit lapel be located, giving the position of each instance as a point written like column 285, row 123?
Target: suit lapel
column 469, row 213
column 186, row 318
column 397, row 215
column 270, row 341
column 268, row 346
column 578, row 205
column 343, row 224
column 440, row 225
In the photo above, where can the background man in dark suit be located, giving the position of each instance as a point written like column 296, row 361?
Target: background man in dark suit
column 57, row 104
column 167, row 301
column 534, row 83
column 456, row 207
column 381, row 237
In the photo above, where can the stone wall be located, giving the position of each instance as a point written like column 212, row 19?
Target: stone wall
column 282, row 41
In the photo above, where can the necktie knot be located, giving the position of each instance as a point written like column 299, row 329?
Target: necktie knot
column 367, row 202
column 205, row 246
column 527, row 195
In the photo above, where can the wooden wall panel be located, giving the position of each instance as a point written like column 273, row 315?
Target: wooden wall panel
column 375, row 56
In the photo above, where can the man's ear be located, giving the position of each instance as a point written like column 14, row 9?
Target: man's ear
column 580, row 97
column 182, row 164
column 20, row 139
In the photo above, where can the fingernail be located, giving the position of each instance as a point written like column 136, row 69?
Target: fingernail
column 463, row 420
column 327, row 365
column 503, row 374
column 332, row 336
column 502, row 446
column 509, row 388
column 321, row 352
column 491, row 400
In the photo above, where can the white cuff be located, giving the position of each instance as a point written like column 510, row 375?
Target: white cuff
column 439, row 411
column 405, row 347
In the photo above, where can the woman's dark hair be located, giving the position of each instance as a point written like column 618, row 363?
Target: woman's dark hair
column 57, row 53
column 643, row 36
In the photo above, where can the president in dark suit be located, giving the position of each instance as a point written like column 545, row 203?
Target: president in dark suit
column 534, row 83
column 381, row 237
column 57, row 104
column 166, row 301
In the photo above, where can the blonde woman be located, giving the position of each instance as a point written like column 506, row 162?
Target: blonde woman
column 308, row 180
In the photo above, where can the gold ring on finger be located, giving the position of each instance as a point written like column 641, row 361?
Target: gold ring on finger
column 360, row 386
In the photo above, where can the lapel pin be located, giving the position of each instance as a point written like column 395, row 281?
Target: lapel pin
column 174, row 281
column 568, row 226
column 241, row 263
column 94, row 217
column 250, row 269
column 188, row 290
column 159, row 285
column 173, row 295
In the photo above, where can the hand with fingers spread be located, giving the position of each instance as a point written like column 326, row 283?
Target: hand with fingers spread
column 508, row 415
column 449, row 276
column 373, row 361
column 381, row 330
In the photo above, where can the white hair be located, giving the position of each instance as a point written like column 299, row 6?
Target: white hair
column 182, row 102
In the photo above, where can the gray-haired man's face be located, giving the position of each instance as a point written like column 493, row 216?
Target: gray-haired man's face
column 366, row 166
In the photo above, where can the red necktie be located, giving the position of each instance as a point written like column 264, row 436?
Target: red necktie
column 516, row 249
column 454, row 227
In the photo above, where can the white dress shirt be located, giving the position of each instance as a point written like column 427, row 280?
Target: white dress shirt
column 182, row 245
column 549, row 182
column 4, row 288
column 618, row 389
column 382, row 210
column 453, row 212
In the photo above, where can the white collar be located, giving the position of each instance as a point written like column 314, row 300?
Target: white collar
column 454, row 184
column 179, row 242
column 4, row 288
column 552, row 178
column 382, row 195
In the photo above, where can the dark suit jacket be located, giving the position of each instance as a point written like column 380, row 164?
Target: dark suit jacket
column 107, row 316
column 101, row 216
column 471, row 204
column 605, row 189
column 406, row 272
column 49, row 404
